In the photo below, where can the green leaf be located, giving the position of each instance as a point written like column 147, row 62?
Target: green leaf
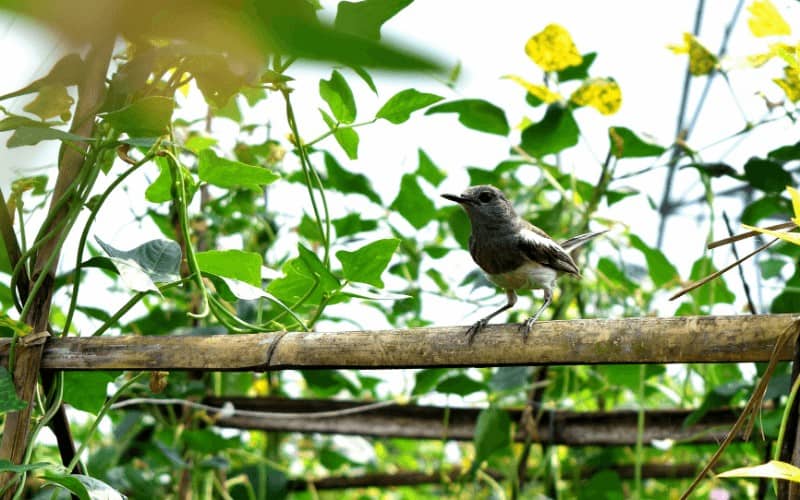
column 208, row 442
column 309, row 229
column 345, row 181
column 306, row 277
column 492, row 434
column 361, row 72
column 8, row 394
column 556, row 132
column 336, row 92
column 147, row 117
column 714, row 292
column 425, row 380
column 30, row 136
column 509, row 377
column 460, row 385
column 784, row 154
column 157, row 261
column 765, row 207
column 87, row 391
column 428, row 170
column 236, row 264
column 459, row 224
column 327, row 383
column 85, row 487
column 579, row 72
column 347, row 137
column 771, row 268
column 615, row 196
column 412, row 203
column 160, row 190
column 399, row 107
column 226, row 173
column 366, row 264
column 605, row 484
column 365, row 18
column 767, row 175
column 661, row 270
column 626, row 144
column 52, row 100
column 476, row 114
column 615, row 275
column 66, row 71
column 352, row 224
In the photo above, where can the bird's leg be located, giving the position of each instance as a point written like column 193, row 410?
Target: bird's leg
column 525, row 327
column 481, row 323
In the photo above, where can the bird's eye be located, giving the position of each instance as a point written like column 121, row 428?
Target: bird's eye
column 485, row 197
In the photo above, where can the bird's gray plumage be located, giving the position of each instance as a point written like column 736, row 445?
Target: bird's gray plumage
column 512, row 252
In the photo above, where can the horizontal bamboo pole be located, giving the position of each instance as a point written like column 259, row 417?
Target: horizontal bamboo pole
column 410, row 421
column 412, row 478
column 694, row 339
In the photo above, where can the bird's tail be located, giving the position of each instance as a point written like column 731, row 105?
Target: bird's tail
column 580, row 240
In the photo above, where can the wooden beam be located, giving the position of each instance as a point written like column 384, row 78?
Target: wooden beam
column 693, row 339
column 410, row 421
column 413, row 478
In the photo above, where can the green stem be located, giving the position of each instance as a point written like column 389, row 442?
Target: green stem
column 85, row 235
column 305, row 163
column 337, row 128
column 784, row 423
column 113, row 399
column 183, row 216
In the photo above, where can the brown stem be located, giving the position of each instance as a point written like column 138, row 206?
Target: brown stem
column 91, row 92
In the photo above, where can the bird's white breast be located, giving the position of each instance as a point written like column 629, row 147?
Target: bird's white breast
column 527, row 276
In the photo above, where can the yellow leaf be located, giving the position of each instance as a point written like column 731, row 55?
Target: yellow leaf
column 541, row 92
column 782, row 50
column 553, row 49
column 603, row 94
column 701, row 60
column 790, row 83
column 772, row 469
column 793, row 238
column 795, row 195
column 51, row 101
column 765, row 20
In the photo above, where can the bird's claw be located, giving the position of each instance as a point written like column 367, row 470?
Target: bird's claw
column 525, row 328
column 474, row 329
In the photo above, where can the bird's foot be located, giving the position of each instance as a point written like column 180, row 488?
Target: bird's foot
column 474, row 329
column 525, row 327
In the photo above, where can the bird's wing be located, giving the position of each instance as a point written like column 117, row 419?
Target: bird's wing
column 580, row 240
column 541, row 248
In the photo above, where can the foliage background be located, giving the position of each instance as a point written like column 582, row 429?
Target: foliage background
column 626, row 275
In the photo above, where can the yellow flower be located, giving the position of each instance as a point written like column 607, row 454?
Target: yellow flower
column 539, row 91
column 701, row 60
column 603, row 94
column 790, row 83
column 765, row 20
column 790, row 237
column 553, row 49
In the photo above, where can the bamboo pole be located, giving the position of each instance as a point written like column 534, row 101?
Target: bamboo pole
column 410, row 421
column 692, row 339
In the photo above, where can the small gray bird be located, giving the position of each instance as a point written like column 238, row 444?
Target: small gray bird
column 514, row 254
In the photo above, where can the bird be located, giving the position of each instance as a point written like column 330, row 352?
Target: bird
column 513, row 253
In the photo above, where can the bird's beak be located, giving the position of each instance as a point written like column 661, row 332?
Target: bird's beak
column 458, row 199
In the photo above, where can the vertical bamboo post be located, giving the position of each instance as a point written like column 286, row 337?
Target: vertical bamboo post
column 91, row 92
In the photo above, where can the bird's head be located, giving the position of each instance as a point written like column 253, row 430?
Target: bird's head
column 486, row 205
